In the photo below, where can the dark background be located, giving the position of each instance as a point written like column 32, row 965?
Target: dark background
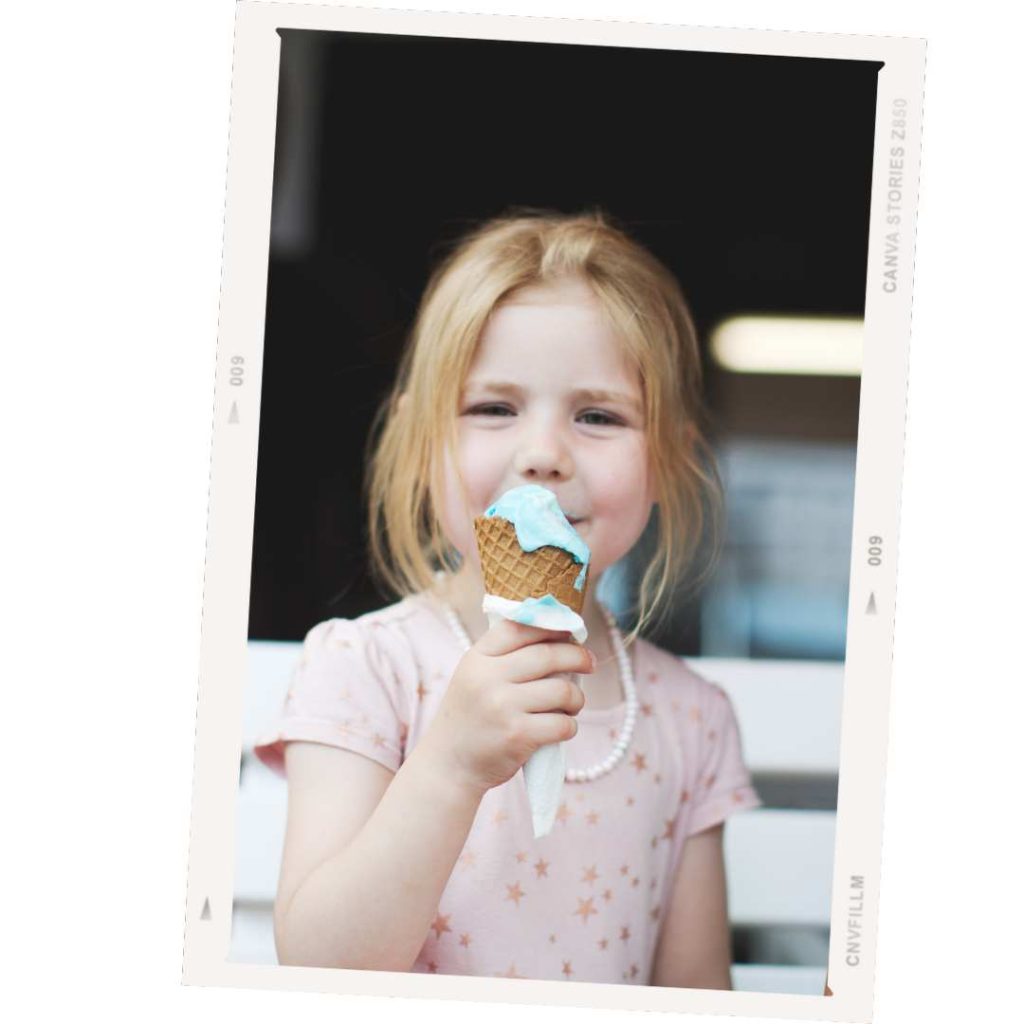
column 749, row 176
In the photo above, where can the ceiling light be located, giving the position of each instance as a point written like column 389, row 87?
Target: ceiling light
column 824, row 346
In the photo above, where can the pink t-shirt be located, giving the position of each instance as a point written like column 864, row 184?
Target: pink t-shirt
column 586, row 901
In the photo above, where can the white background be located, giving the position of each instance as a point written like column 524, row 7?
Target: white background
column 114, row 136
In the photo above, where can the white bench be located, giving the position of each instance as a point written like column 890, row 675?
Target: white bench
column 779, row 861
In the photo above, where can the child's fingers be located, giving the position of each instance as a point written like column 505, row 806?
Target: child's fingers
column 553, row 727
column 549, row 695
column 538, row 661
column 507, row 636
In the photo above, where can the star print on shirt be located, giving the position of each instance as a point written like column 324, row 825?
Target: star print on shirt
column 592, row 817
column 639, row 762
column 585, row 909
column 567, row 968
column 514, row 893
column 464, row 939
column 564, row 813
column 541, row 867
column 590, row 875
column 440, row 925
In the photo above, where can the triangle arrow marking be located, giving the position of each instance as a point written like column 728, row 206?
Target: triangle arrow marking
column 872, row 608
column 233, row 418
column 205, row 915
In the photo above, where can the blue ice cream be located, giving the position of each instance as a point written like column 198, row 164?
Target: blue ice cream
column 539, row 522
column 534, row 611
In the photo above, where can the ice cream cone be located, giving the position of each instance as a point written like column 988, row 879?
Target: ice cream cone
column 537, row 588
column 515, row 574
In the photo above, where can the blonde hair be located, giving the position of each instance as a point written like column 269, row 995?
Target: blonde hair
column 645, row 304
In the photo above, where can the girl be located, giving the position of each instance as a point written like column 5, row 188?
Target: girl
column 552, row 350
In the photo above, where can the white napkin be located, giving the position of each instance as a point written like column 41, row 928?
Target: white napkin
column 544, row 771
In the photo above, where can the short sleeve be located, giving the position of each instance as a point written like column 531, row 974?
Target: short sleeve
column 344, row 693
column 723, row 785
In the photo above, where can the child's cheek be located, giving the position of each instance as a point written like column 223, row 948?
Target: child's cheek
column 481, row 467
column 622, row 500
column 623, row 477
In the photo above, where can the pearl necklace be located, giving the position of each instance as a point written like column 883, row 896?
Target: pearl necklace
column 628, row 685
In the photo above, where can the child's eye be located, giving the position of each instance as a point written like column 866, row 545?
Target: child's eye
column 590, row 417
column 599, row 418
column 490, row 409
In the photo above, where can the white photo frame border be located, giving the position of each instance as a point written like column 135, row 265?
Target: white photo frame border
column 879, row 470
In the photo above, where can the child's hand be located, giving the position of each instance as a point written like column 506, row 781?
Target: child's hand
column 507, row 697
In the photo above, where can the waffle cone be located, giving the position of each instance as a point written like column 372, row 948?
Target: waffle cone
column 515, row 574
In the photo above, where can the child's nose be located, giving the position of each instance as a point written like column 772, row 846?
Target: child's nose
column 544, row 455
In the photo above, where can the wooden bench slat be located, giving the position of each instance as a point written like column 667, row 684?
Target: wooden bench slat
column 779, row 866
column 789, row 712
column 777, row 978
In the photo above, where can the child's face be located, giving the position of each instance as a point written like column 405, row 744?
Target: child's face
column 550, row 399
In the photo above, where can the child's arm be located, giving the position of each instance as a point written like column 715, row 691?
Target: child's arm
column 693, row 949
column 368, row 853
column 366, row 857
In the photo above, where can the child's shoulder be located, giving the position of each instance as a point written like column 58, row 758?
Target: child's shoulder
column 394, row 629
column 411, row 612
column 407, row 609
